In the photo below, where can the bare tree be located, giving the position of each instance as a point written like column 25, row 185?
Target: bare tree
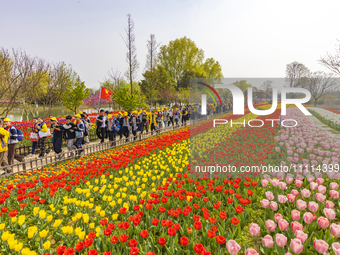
column 59, row 78
column 319, row 83
column 131, row 55
column 152, row 47
column 115, row 77
column 17, row 69
column 295, row 71
column 267, row 86
column 332, row 62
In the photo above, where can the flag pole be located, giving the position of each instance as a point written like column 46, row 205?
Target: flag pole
column 100, row 92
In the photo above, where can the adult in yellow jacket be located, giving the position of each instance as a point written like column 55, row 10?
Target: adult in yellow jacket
column 4, row 135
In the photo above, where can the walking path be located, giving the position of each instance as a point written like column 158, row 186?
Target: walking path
column 324, row 127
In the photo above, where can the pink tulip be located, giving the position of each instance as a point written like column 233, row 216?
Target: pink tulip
column 298, row 183
column 299, row 234
column 291, row 198
column 268, row 241
column 336, row 248
column 264, row 183
column 321, row 246
column 274, row 182
column 313, row 185
column 320, row 197
column 313, row 207
column 278, row 217
column 321, row 189
column 305, row 193
column 269, row 195
column 320, row 181
column 282, row 185
column 296, row 246
column 308, row 217
column 334, row 194
column 335, row 230
column 295, row 214
column 295, row 192
column 273, row 206
column 289, row 180
column 288, row 253
column 323, row 222
column 301, row 205
column 251, row 252
column 333, row 185
column 254, row 229
column 283, row 224
column 270, row 225
column 282, row 199
column 281, row 240
column 296, row 226
column 329, row 204
column 264, row 203
column 329, row 213
column 233, row 247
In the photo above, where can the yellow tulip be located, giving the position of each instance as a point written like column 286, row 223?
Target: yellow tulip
column 47, row 245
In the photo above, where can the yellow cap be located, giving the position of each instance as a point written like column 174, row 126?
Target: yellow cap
column 125, row 114
column 80, row 113
column 53, row 118
column 7, row 119
column 78, row 116
column 109, row 116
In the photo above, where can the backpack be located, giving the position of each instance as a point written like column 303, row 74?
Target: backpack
column 20, row 135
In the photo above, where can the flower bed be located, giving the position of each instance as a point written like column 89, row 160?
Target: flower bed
column 143, row 198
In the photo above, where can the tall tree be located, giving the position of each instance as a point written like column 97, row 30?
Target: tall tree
column 152, row 47
column 74, row 95
column 267, row 86
column 212, row 68
column 332, row 61
column 179, row 56
column 128, row 101
column 294, row 72
column 131, row 55
column 319, row 83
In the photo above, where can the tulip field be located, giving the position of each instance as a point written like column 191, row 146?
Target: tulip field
column 148, row 198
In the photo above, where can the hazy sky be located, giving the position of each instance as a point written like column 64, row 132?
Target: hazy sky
column 250, row 38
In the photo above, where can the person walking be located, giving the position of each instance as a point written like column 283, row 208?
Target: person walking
column 134, row 125
column 12, row 142
column 70, row 134
column 34, row 130
column 153, row 122
column 176, row 116
column 100, row 122
column 79, row 134
column 145, row 123
column 43, row 133
column 114, row 129
column 4, row 136
column 87, row 123
column 126, row 126
column 57, row 137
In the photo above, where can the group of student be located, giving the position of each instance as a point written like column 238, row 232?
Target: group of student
column 126, row 123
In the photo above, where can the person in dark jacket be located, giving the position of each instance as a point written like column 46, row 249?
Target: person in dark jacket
column 120, row 119
column 70, row 134
column 12, row 142
column 79, row 134
column 57, row 136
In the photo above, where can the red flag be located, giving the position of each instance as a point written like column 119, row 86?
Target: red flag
column 105, row 93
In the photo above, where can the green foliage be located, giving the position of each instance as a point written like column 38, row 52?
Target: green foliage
column 74, row 95
column 183, row 60
column 158, row 86
column 128, row 101
column 243, row 85
column 180, row 55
